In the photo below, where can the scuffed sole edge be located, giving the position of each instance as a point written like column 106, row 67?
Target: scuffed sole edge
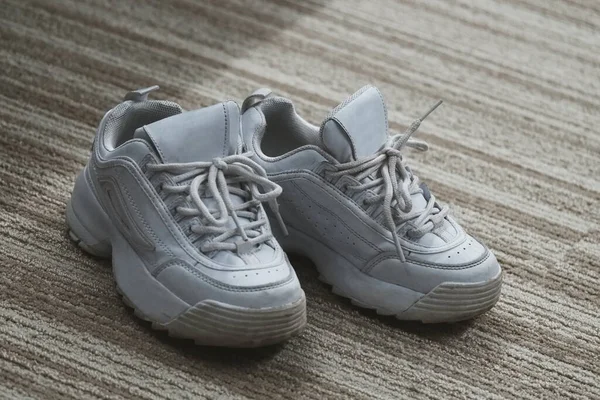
column 213, row 323
column 448, row 302
column 453, row 302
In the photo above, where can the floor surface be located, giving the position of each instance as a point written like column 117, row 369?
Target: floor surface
column 515, row 151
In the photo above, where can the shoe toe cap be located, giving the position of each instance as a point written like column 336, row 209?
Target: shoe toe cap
column 274, row 286
column 470, row 262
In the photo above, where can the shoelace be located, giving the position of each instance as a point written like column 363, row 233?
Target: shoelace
column 214, row 179
column 395, row 185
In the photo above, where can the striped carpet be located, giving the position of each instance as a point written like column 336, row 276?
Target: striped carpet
column 515, row 151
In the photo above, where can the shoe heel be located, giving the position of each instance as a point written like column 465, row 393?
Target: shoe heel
column 88, row 223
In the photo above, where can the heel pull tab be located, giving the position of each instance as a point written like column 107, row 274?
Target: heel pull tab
column 140, row 94
column 255, row 98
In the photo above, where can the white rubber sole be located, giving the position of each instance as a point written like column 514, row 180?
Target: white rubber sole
column 448, row 302
column 208, row 322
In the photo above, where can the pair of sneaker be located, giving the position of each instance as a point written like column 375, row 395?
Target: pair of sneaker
column 196, row 209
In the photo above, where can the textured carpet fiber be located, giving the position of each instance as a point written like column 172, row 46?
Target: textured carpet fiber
column 514, row 150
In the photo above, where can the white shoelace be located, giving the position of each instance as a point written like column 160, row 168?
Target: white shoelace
column 219, row 179
column 395, row 185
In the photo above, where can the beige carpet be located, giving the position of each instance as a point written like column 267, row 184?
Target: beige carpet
column 515, row 151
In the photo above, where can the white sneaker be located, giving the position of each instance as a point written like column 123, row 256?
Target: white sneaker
column 168, row 196
column 353, row 206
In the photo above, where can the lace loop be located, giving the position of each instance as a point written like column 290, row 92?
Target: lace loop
column 219, row 163
column 389, row 174
column 219, row 179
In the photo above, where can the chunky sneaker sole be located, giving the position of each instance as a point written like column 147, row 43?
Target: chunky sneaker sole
column 208, row 322
column 447, row 302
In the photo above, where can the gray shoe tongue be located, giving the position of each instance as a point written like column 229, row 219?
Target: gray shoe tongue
column 358, row 127
column 198, row 135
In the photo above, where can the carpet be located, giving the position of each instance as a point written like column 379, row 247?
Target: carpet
column 515, row 152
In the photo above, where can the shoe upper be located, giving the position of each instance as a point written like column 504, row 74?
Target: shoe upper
column 177, row 189
column 347, row 184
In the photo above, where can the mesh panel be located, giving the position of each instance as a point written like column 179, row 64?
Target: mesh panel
column 128, row 116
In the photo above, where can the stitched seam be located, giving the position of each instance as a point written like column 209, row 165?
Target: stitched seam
column 146, row 160
column 164, row 266
column 384, row 108
column 157, row 202
column 222, row 285
column 292, row 175
column 381, row 258
column 162, row 155
column 343, row 105
column 146, row 225
column 330, row 185
column 95, row 191
column 226, row 140
column 348, row 135
column 140, row 239
column 128, row 212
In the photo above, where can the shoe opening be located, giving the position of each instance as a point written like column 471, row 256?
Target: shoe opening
column 123, row 120
column 285, row 129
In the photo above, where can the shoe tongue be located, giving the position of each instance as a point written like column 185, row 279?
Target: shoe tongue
column 198, row 135
column 358, row 127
